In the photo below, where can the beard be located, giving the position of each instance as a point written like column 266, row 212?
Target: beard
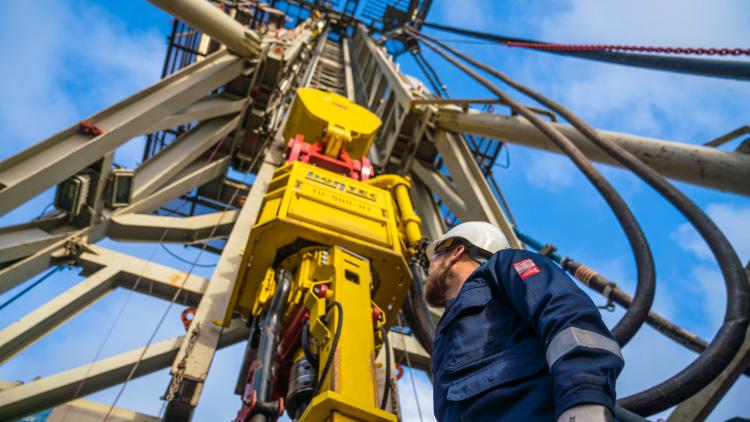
column 436, row 286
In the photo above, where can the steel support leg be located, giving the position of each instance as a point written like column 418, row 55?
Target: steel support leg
column 151, row 228
column 191, row 365
column 27, row 330
column 698, row 407
column 471, row 183
column 700, row 165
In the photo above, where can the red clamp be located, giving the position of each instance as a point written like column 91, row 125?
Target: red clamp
column 90, row 129
column 377, row 315
column 399, row 371
column 187, row 317
column 320, row 290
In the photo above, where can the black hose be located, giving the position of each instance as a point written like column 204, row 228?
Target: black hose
column 729, row 69
column 334, row 345
column 416, row 312
column 646, row 280
column 731, row 334
column 270, row 328
column 624, row 415
column 247, row 357
column 309, row 355
column 387, row 382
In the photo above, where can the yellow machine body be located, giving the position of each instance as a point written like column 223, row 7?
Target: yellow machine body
column 313, row 206
column 346, row 242
column 321, row 115
column 349, row 391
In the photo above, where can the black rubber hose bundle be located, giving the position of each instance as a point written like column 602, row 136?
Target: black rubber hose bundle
column 271, row 327
column 309, row 355
column 334, row 345
column 387, row 379
column 731, row 334
column 415, row 310
column 646, row 280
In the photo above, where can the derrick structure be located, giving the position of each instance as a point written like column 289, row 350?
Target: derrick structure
column 252, row 60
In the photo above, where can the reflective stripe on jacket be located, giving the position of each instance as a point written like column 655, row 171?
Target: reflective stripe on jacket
column 521, row 342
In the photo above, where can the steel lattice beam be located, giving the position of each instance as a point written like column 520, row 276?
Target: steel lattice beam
column 32, row 171
column 106, row 270
column 184, row 150
column 469, row 180
column 50, row 391
column 195, row 356
column 704, row 166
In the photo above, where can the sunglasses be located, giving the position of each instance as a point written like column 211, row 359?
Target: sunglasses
column 446, row 246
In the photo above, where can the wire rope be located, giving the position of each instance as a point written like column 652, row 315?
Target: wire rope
column 411, row 373
column 30, row 287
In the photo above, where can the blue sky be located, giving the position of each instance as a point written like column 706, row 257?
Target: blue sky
column 64, row 60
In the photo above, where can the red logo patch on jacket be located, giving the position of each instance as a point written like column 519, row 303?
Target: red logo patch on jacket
column 526, row 268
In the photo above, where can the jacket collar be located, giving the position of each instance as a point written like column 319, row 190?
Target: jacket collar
column 474, row 292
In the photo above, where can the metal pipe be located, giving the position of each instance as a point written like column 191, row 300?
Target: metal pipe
column 634, row 317
column 415, row 310
column 719, row 354
column 211, row 21
column 699, row 165
column 247, row 357
column 269, row 337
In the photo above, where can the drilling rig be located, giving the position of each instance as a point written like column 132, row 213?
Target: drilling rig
column 325, row 269
column 347, row 167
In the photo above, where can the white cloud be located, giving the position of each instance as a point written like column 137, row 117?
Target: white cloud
column 714, row 295
column 645, row 101
column 549, row 171
column 733, row 220
column 670, row 22
column 470, row 14
column 64, row 62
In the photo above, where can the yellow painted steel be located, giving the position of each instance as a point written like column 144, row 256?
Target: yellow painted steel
column 400, row 186
column 333, row 119
column 306, row 205
column 345, row 241
column 352, row 376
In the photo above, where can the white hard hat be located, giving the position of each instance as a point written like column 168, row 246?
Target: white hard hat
column 483, row 235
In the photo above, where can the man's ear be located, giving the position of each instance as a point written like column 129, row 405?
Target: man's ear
column 457, row 253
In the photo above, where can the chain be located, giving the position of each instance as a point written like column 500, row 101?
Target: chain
column 394, row 400
column 640, row 49
column 179, row 375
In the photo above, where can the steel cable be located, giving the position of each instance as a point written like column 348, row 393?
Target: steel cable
column 30, row 287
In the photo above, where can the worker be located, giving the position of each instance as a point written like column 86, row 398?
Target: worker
column 518, row 340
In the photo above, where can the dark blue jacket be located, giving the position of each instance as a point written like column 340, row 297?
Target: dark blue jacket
column 521, row 342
